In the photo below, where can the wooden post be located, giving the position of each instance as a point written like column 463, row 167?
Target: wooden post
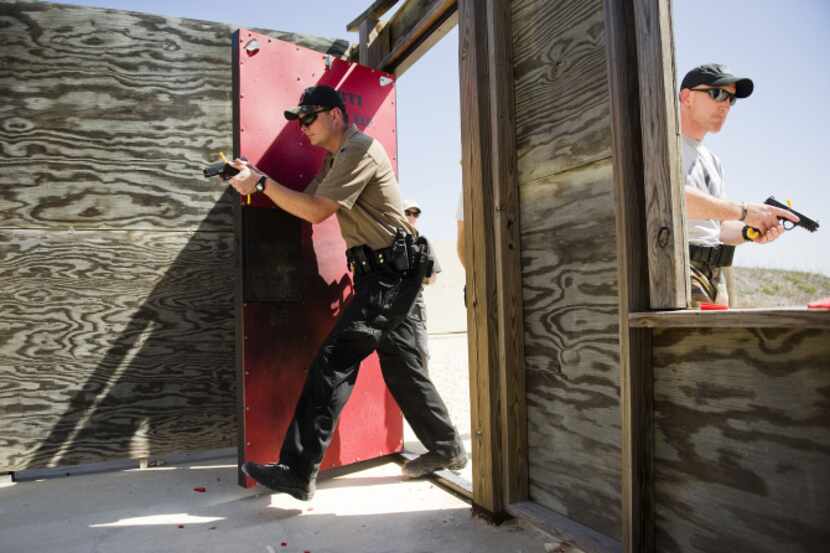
column 491, row 229
column 668, row 256
column 365, row 33
column 636, row 381
column 482, row 330
column 513, row 399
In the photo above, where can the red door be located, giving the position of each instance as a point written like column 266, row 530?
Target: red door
column 294, row 280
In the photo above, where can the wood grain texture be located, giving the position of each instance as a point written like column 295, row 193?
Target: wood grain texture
column 636, row 385
column 507, row 241
column 663, row 177
column 108, row 118
column 562, row 106
column 742, row 440
column 411, row 31
column 482, row 312
column 569, row 276
column 114, row 345
column 373, row 12
column 733, row 318
column 563, row 528
column 117, row 257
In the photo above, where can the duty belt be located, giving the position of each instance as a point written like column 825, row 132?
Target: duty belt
column 716, row 256
column 397, row 257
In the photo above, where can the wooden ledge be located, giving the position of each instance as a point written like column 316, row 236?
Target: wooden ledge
column 733, row 318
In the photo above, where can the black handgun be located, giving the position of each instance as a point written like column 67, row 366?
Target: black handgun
column 221, row 168
column 803, row 220
column 752, row 233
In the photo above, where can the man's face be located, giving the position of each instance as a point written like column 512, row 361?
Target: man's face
column 708, row 114
column 412, row 216
column 322, row 128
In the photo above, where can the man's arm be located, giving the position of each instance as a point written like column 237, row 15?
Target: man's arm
column 700, row 205
column 313, row 209
column 730, row 233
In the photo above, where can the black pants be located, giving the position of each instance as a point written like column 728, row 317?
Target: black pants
column 379, row 317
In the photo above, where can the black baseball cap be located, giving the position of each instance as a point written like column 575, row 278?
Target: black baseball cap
column 322, row 96
column 715, row 74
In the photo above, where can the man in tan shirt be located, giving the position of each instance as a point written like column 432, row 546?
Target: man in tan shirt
column 389, row 262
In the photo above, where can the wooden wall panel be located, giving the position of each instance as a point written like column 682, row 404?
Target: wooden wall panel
column 571, row 345
column 108, row 117
column 742, row 440
column 113, row 345
column 569, row 271
column 562, row 102
column 116, row 256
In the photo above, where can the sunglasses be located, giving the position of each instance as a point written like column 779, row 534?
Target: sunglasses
column 718, row 94
column 412, row 213
column 307, row 119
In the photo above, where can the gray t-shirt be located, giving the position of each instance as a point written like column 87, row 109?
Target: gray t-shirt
column 703, row 171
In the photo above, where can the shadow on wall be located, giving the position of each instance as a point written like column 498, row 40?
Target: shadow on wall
column 165, row 379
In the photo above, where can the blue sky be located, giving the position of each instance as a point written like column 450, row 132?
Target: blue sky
column 772, row 144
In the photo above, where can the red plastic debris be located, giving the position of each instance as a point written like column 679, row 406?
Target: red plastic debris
column 200, row 489
column 823, row 303
column 713, row 307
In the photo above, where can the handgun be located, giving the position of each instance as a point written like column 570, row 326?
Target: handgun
column 752, row 233
column 221, row 168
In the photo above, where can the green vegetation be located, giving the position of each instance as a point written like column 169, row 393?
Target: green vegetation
column 758, row 287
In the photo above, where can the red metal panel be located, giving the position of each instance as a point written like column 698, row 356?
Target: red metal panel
column 281, row 338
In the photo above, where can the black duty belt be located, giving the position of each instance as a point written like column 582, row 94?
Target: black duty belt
column 400, row 257
column 716, row 256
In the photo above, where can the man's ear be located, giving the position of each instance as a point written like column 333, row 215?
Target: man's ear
column 684, row 95
column 344, row 117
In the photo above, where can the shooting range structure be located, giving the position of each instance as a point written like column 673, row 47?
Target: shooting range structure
column 603, row 409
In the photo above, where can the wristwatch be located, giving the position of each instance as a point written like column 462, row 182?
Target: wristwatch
column 260, row 183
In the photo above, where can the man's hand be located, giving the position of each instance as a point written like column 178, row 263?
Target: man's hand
column 771, row 234
column 765, row 218
column 245, row 181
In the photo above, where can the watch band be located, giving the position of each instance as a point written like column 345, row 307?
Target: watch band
column 260, row 183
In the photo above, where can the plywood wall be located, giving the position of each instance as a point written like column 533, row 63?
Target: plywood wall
column 116, row 256
column 742, row 442
column 568, row 259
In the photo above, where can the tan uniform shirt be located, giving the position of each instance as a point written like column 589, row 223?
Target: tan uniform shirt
column 360, row 179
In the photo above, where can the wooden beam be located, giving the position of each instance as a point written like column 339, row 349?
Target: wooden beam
column 426, row 42
column 505, row 218
column 367, row 26
column 567, row 530
column 785, row 317
column 636, row 381
column 373, row 12
column 479, row 239
column 397, row 42
column 664, row 181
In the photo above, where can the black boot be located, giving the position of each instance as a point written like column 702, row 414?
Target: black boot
column 280, row 478
column 432, row 461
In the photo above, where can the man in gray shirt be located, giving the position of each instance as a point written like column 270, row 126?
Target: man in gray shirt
column 714, row 224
